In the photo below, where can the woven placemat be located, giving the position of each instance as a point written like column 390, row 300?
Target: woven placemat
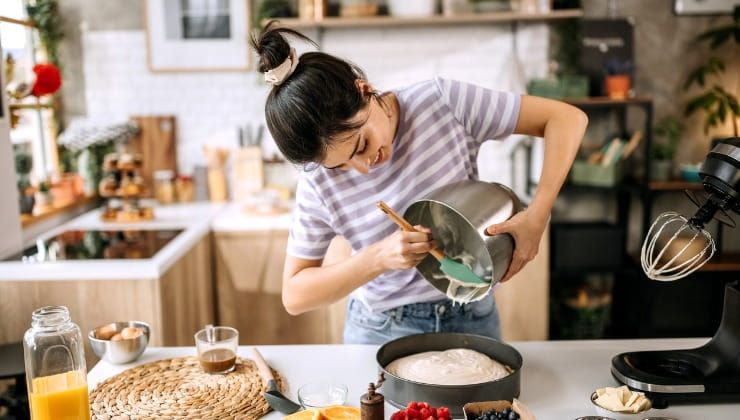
column 178, row 389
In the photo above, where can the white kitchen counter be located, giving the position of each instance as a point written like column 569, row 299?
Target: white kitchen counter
column 557, row 376
column 233, row 219
column 196, row 220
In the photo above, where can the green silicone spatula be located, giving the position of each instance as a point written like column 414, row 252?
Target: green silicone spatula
column 450, row 267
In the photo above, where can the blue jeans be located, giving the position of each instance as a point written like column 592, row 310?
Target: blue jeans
column 364, row 327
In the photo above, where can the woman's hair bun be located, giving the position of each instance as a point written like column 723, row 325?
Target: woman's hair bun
column 272, row 46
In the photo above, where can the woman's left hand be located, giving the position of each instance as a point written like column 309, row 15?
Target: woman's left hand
column 526, row 228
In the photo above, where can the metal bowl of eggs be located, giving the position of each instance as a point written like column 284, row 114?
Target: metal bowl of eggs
column 120, row 342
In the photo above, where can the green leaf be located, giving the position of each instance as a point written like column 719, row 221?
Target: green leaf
column 703, row 101
column 734, row 107
column 713, row 66
column 721, row 111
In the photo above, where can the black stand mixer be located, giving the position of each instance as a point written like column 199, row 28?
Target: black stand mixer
column 675, row 247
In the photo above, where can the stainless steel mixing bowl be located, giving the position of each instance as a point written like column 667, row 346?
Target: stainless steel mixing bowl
column 458, row 215
column 123, row 351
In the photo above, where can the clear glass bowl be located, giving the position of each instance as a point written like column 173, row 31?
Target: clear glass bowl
column 322, row 394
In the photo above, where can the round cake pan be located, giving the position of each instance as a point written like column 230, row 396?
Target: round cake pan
column 399, row 392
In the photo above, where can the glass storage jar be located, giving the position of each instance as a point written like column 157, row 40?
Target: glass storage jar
column 54, row 356
column 164, row 189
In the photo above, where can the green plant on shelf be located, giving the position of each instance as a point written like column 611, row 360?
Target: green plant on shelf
column 44, row 187
column 669, row 130
column 267, row 9
column 45, row 15
column 23, row 167
column 717, row 102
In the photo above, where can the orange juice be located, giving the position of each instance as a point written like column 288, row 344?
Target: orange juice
column 60, row 397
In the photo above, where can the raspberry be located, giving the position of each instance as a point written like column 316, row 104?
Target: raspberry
column 413, row 413
column 399, row 415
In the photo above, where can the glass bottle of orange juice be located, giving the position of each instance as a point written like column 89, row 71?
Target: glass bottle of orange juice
column 55, row 366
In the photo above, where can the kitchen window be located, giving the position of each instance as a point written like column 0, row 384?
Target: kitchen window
column 32, row 119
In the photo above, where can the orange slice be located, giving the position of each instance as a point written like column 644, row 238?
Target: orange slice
column 341, row 412
column 310, row 414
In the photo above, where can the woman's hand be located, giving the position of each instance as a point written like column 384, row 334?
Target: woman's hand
column 526, row 228
column 403, row 250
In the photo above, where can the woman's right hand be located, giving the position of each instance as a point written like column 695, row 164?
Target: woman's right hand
column 403, row 250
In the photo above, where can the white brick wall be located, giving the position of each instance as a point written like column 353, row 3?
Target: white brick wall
column 210, row 106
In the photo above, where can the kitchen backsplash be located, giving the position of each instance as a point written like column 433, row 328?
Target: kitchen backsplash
column 209, row 106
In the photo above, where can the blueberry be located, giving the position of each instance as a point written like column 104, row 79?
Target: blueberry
column 513, row 416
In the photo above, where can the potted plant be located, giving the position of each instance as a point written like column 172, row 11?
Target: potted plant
column 717, row 102
column 43, row 195
column 618, row 78
column 668, row 130
column 23, row 166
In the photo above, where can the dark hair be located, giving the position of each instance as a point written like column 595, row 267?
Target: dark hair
column 314, row 103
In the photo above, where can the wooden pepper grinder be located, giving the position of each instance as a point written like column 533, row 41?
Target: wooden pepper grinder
column 216, row 158
column 372, row 404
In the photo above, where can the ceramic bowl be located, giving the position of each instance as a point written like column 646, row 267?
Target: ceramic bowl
column 690, row 173
column 122, row 351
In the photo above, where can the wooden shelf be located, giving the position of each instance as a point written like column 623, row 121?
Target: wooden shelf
column 675, row 185
column 26, row 23
column 599, row 101
column 30, row 106
column 384, row 21
column 44, row 212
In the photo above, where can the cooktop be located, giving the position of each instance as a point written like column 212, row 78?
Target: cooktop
column 98, row 245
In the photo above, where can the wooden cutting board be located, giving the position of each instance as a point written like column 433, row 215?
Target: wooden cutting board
column 157, row 143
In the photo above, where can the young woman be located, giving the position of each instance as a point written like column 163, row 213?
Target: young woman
column 358, row 147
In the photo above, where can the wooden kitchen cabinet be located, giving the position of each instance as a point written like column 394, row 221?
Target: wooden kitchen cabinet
column 175, row 305
column 523, row 301
column 249, row 268
column 249, row 278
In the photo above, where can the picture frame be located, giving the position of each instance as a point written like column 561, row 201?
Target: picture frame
column 703, row 7
column 197, row 35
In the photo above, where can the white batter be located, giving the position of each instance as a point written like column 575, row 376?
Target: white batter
column 463, row 292
column 449, row 367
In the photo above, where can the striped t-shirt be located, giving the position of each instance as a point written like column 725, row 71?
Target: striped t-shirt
column 442, row 124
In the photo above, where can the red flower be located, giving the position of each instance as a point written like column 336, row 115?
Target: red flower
column 48, row 79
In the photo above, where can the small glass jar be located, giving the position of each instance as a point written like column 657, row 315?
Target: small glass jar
column 185, row 188
column 55, row 366
column 164, row 190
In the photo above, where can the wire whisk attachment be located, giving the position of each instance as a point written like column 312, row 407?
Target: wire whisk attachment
column 675, row 248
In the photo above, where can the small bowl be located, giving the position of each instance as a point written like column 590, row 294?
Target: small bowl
column 690, row 172
column 603, row 412
column 122, row 351
column 322, row 394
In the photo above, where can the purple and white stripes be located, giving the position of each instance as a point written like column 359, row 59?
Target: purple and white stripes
column 441, row 127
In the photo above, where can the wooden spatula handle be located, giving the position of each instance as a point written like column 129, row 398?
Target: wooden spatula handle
column 400, row 221
column 262, row 367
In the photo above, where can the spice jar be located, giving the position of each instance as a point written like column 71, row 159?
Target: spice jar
column 164, row 190
column 184, row 188
column 55, row 366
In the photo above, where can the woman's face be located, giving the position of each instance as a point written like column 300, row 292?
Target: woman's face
column 369, row 146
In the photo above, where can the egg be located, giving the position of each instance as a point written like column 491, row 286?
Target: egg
column 116, row 337
column 131, row 332
column 105, row 332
